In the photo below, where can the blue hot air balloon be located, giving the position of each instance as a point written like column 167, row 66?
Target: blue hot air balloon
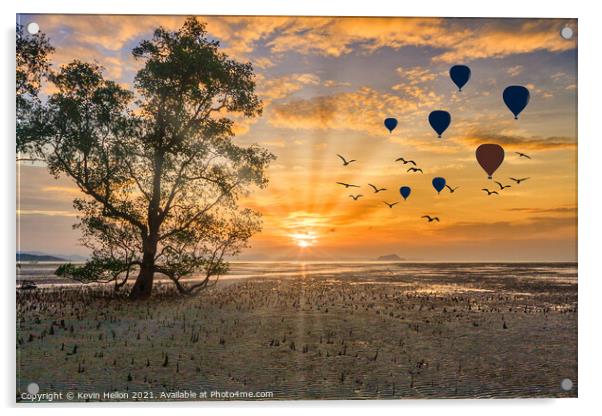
column 438, row 184
column 405, row 191
column 439, row 121
column 516, row 98
column 460, row 74
column 390, row 124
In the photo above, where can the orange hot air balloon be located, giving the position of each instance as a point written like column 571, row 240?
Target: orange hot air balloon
column 490, row 157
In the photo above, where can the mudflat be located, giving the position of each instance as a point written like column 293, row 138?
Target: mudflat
column 397, row 331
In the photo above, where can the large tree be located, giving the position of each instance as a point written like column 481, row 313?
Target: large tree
column 160, row 173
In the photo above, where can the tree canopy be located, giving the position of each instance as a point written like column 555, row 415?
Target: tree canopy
column 159, row 170
column 32, row 68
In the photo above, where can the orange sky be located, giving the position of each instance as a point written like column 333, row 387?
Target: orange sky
column 327, row 85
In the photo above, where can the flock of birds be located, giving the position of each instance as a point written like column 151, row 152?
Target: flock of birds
column 489, row 156
column 413, row 169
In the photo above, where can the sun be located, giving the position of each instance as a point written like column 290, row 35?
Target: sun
column 303, row 243
column 304, row 239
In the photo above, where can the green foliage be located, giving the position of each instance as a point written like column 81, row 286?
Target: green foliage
column 95, row 270
column 32, row 67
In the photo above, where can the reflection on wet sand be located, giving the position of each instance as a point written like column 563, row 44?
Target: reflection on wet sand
column 329, row 330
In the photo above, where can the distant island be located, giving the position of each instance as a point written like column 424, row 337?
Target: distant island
column 36, row 257
column 390, row 257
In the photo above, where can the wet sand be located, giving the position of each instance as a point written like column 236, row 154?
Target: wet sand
column 455, row 331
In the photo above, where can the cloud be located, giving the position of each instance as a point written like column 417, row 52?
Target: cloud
column 558, row 210
column 416, row 75
column 459, row 39
column 360, row 110
column 263, row 62
column 103, row 37
column 453, row 40
column 539, row 91
column 110, row 32
column 270, row 89
column 49, row 213
column 416, row 83
column 275, row 143
column 496, row 39
column 61, row 190
column 514, row 70
column 117, row 65
column 506, row 229
column 337, row 36
column 331, row 83
column 276, row 88
column 518, row 142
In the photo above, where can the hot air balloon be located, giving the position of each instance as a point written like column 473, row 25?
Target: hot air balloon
column 460, row 74
column 516, row 98
column 439, row 121
column 390, row 124
column 490, row 157
column 438, row 184
column 405, row 191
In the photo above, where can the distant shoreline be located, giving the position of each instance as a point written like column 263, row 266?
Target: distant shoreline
column 43, row 274
column 346, row 262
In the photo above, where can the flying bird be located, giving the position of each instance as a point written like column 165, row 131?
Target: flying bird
column 489, row 192
column 390, row 205
column 356, row 197
column 415, row 170
column 345, row 161
column 405, row 162
column 519, row 180
column 523, row 155
column 502, row 186
column 431, row 219
column 376, row 190
column 451, row 190
column 347, row 185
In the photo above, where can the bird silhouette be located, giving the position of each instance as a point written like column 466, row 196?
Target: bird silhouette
column 489, row 192
column 523, row 155
column 451, row 190
column 519, row 180
column 347, row 185
column 415, row 170
column 502, row 186
column 356, row 197
column 431, row 219
column 390, row 205
column 376, row 189
column 405, row 162
column 345, row 161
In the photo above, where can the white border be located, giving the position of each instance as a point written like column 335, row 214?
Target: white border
column 590, row 151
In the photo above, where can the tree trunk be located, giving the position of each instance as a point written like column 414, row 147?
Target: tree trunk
column 144, row 282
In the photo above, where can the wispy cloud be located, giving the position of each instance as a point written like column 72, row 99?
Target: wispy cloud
column 459, row 39
column 515, row 70
column 555, row 210
column 281, row 87
column 360, row 110
column 48, row 213
column 479, row 230
column 518, row 142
